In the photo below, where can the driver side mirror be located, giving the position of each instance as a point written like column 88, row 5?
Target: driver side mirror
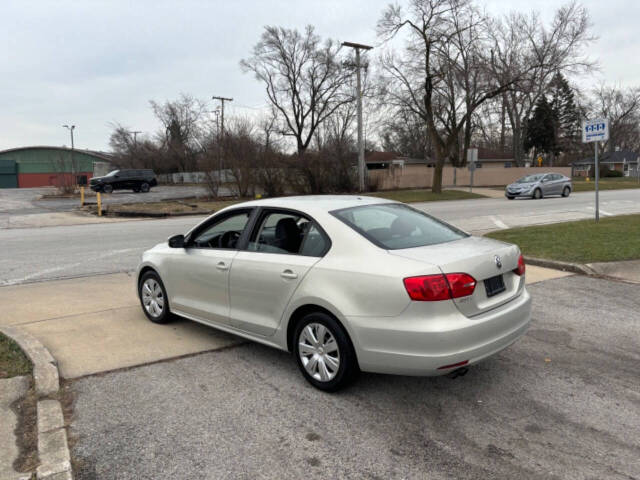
column 177, row 241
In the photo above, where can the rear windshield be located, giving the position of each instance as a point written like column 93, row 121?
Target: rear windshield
column 394, row 226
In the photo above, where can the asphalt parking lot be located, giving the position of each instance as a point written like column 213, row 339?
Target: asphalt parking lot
column 563, row 402
column 28, row 200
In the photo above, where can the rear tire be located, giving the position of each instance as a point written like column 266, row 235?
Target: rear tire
column 324, row 352
column 144, row 188
column 153, row 298
column 566, row 191
column 537, row 194
column 107, row 189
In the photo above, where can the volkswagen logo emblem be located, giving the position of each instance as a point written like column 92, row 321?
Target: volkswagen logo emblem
column 498, row 261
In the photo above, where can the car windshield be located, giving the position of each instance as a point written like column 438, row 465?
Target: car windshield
column 531, row 178
column 112, row 173
column 394, row 226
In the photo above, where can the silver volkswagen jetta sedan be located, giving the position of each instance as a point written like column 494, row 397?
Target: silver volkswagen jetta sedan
column 539, row 185
column 345, row 283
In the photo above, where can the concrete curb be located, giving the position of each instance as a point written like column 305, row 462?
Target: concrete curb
column 558, row 265
column 53, row 449
column 154, row 214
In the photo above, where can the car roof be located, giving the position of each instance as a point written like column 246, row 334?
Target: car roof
column 324, row 203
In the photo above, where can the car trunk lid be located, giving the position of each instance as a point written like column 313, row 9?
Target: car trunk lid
column 478, row 257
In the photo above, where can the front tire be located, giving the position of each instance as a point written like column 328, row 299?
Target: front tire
column 511, row 198
column 153, row 298
column 537, row 194
column 324, row 352
column 107, row 189
column 566, row 191
column 144, row 188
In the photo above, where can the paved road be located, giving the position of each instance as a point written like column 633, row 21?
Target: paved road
column 562, row 403
column 32, row 254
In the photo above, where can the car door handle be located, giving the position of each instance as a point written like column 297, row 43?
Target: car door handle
column 222, row 266
column 288, row 274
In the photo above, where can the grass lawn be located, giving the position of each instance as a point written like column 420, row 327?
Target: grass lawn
column 618, row 183
column 410, row 196
column 12, row 361
column 584, row 241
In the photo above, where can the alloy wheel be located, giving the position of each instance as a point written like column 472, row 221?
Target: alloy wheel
column 319, row 352
column 152, row 297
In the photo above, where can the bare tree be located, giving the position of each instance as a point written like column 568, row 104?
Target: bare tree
column 444, row 73
column 303, row 77
column 405, row 133
column 182, row 122
column 241, row 150
column 271, row 167
column 621, row 106
column 521, row 41
column 456, row 59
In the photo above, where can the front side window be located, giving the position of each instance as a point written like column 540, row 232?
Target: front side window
column 224, row 233
column 288, row 233
column 394, row 226
column 531, row 178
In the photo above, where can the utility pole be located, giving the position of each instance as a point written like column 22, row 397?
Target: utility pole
column 361, row 166
column 217, row 114
column 222, row 100
column 135, row 136
column 71, row 129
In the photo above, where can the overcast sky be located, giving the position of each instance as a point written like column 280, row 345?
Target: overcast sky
column 91, row 63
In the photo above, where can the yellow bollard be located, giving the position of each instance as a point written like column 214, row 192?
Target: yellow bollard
column 99, row 204
column 82, row 196
column 588, row 179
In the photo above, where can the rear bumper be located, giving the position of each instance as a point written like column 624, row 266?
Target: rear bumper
column 412, row 344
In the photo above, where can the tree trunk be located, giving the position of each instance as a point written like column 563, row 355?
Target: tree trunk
column 436, row 186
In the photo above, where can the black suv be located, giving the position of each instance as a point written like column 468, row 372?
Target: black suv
column 136, row 180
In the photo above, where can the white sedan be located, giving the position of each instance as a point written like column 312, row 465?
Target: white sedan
column 345, row 283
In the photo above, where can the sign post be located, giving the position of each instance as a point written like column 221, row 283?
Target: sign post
column 595, row 131
column 472, row 158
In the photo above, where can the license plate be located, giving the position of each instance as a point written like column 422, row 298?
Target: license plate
column 494, row 285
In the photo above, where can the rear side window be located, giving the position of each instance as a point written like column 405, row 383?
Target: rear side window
column 395, row 226
column 288, row 233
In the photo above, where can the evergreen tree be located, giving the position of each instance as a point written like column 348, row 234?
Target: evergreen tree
column 567, row 117
column 540, row 129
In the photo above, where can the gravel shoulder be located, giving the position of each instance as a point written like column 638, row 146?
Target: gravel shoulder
column 563, row 402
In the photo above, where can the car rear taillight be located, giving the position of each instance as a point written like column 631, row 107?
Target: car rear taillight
column 519, row 270
column 461, row 284
column 432, row 288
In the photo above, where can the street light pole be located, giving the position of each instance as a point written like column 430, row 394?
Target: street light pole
column 361, row 165
column 222, row 100
column 71, row 129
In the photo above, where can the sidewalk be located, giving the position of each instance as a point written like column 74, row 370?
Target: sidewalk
column 487, row 192
column 95, row 324
column 628, row 271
